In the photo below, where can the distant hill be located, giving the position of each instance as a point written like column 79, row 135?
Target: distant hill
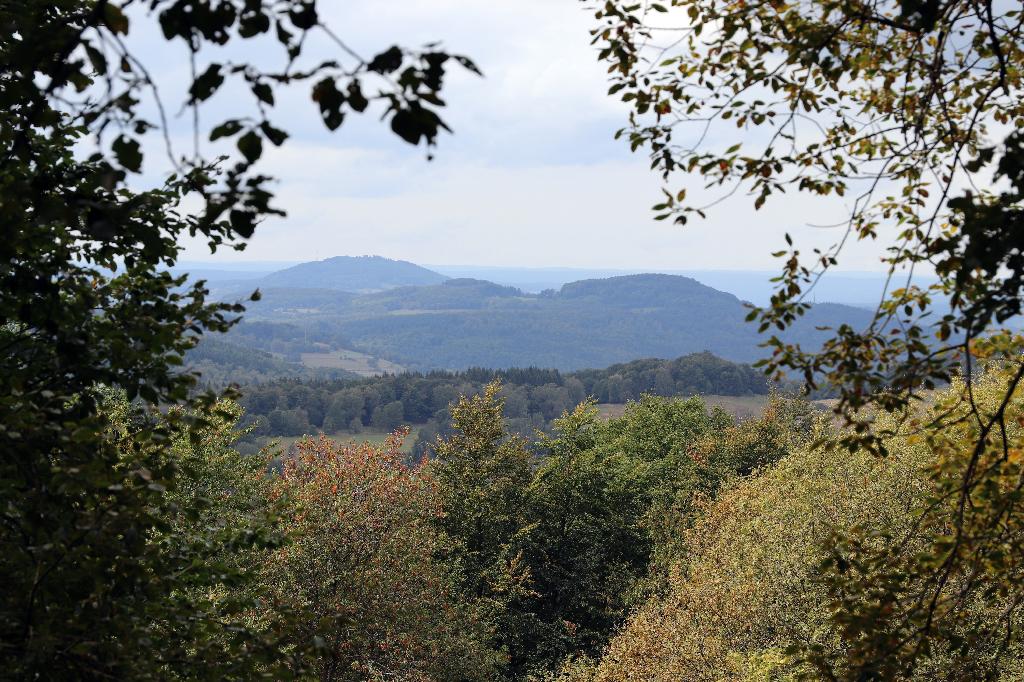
column 454, row 294
column 465, row 323
column 643, row 291
column 360, row 274
column 594, row 323
column 856, row 288
column 221, row 362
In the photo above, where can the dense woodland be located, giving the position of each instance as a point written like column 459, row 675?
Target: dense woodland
column 491, row 561
column 663, row 544
column 884, row 540
column 533, row 397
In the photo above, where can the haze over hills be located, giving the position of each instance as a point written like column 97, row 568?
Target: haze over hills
column 593, row 323
column 358, row 274
column 862, row 289
column 856, row 288
column 458, row 323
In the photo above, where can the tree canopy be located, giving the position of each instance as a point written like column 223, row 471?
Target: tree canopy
column 908, row 113
column 87, row 300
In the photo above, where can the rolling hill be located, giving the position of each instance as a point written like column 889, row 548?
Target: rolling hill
column 463, row 323
column 361, row 274
column 221, row 362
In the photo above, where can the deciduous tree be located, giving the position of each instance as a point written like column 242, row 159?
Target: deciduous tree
column 86, row 299
column 908, row 114
column 361, row 570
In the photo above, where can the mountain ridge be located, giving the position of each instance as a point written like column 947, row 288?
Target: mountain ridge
column 356, row 274
column 461, row 323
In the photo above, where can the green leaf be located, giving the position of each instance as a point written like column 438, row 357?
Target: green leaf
column 263, row 92
column 253, row 23
column 356, row 99
column 251, row 146
column 468, row 64
column 226, row 129
column 128, row 153
column 305, row 16
column 206, row 84
column 330, row 99
column 242, row 222
column 387, row 61
column 115, row 19
column 406, row 126
column 275, row 135
column 96, row 58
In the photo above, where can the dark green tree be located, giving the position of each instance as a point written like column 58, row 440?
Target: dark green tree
column 482, row 473
column 388, row 416
column 346, row 407
column 86, row 301
column 909, row 113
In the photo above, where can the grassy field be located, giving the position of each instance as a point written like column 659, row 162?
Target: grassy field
column 741, row 407
column 352, row 361
column 375, row 437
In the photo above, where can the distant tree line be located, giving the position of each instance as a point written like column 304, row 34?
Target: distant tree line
column 533, row 396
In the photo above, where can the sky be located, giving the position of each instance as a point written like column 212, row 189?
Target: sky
column 531, row 177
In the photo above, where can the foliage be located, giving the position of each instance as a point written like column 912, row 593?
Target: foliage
column 897, row 109
column 694, row 374
column 963, row 586
column 584, row 534
column 217, row 516
column 589, row 546
column 748, row 598
column 724, row 453
column 87, row 301
column 360, row 569
column 482, row 473
column 745, row 586
column 533, row 397
column 153, row 557
column 77, row 505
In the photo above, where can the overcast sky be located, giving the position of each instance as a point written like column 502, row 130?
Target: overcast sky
column 531, row 177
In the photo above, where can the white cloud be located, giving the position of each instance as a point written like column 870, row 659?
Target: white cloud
column 364, row 201
column 532, row 176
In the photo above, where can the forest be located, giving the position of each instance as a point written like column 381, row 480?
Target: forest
column 533, row 397
column 663, row 544
column 463, row 323
column 536, row 534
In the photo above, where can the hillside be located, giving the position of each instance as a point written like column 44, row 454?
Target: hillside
column 360, row 274
column 465, row 323
column 221, row 363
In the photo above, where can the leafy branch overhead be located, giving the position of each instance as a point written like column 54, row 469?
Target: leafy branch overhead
column 94, row 572
column 907, row 115
column 890, row 107
column 91, row 76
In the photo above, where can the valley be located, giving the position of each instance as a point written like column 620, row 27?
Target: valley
column 687, row 344
column 453, row 324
